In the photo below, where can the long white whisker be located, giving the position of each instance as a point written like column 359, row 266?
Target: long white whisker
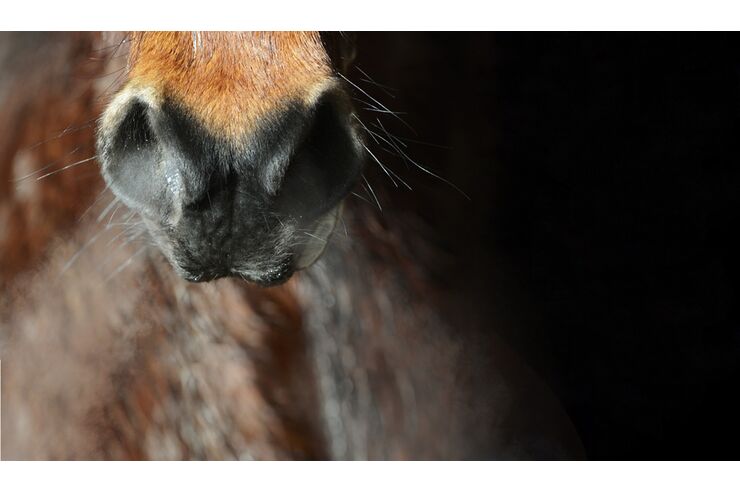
column 388, row 171
column 98, row 199
column 125, row 264
column 373, row 193
column 108, row 208
column 70, row 129
column 66, row 167
column 46, row 166
column 77, row 254
column 381, row 165
column 375, row 101
column 361, row 197
column 382, row 87
column 406, row 157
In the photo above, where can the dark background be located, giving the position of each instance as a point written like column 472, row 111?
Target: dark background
column 602, row 171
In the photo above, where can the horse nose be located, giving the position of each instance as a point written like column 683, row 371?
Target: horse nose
column 157, row 157
column 254, row 196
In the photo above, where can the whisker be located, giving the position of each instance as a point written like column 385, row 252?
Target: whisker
column 68, row 130
column 77, row 254
column 125, row 264
column 113, row 215
column 428, row 144
column 373, row 193
column 344, row 225
column 361, row 197
column 387, row 170
column 372, row 134
column 45, row 167
column 381, row 165
column 122, row 245
column 406, row 157
column 100, row 197
column 66, row 167
column 314, row 236
column 376, row 101
column 403, row 141
column 127, row 229
column 375, row 136
column 379, row 110
column 108, row 207
column 125, row 39
column 384, row 88
column 393, row 138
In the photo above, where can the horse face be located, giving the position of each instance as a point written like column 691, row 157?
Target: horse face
column 235, row 148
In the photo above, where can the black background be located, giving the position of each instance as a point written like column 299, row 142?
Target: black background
column 599, row 238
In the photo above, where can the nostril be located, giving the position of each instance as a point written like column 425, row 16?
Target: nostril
column 135, row 131
column 326, row 163
column 129, row 154
column 137, row 164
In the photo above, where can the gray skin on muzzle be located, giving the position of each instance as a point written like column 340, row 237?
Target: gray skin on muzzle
column 258, row 210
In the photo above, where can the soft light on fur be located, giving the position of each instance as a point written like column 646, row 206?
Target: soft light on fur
column 231, row 81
